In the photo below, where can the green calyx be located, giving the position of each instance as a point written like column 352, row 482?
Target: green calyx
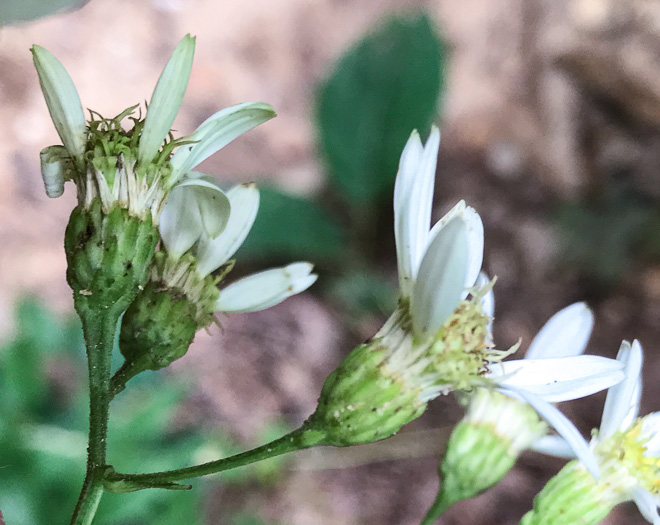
column 475, row 460
column 108, row 141
column 108, row 255
column 160, row 324
column 362, row 401
column 572, row 496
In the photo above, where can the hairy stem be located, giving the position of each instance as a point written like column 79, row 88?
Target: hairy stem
column 99, row 330
column 296, row 440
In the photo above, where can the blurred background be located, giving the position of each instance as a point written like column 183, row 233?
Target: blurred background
column 550, row 113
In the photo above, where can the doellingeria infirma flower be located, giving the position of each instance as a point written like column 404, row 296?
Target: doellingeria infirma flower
column 182, row 294
column 622, row 462
column 497, row 428
column 437, row 340
column 124, row 176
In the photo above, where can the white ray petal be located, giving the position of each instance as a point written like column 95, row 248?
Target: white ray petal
column 216, row 132
column 166, row 99
column 403, row 215
column 651, row 430
column 63, row 102
column 265, row 289
column 647, row 505
column 440, row 283
column 553, row 446
column 488, row 300
column 213, row 253
column 564, row 335
column 622, row 400
column 559, row 379
column 561, row 424
column 214, row 206
column 475, row 235
column 180, row 223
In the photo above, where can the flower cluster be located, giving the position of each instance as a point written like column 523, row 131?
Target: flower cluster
column 438, row 341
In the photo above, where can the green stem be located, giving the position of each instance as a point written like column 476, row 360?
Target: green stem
column 296, row 440
column 99, row 326
column 440, row 505
column 127, row 371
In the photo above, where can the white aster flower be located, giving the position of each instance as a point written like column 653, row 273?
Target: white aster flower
column 440, row 339
column 136, row 167
column 182, row 233
column 624, row 454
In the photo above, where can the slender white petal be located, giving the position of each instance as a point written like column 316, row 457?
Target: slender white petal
column 214, row 206
column 440, row 283
column 559, row 379
column 62, row 100
column 265, row 289
column 216, row 132
column 166, row 99
column 647, row 505
column 213, row 253
column 180, row 223
column 475, row 235
column 564, row 335
column 405, row 236
column 553, row 446
column 651, row 429
column 561, row 424
column 488, row 300
column 621, row 403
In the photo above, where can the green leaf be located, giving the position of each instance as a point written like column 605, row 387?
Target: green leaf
column 289, row 227
column 12, row 11
column 383, row 88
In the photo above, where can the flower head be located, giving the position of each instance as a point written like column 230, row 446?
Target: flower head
column 137, row 167
column 623, row 458
column 438, row 338
column 498, row 427
column 183, row 286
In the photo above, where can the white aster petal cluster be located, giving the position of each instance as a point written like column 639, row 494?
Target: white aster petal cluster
column 143, row 180
column 436, row 265
column 624, row 454
column 182, row 231
column 438, row 268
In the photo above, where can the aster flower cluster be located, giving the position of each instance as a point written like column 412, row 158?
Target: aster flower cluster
column 151, row 240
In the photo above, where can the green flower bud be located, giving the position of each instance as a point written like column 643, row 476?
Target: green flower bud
column 485, row 445
column 362, row 401
column 387, row 382
column 572, row 496
column 108, row 255
column 160, row 324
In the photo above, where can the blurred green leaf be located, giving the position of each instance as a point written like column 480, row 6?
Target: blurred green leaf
column 381, row 89
column 292, row 227
column 601, row 236
column 13, row 11
column 364, row 292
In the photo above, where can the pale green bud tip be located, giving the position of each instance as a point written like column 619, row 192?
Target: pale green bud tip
column 513, row 422
column 56, row 168
column 476, row 459
column 166, row 99
column 572, row 496
column 62, row 100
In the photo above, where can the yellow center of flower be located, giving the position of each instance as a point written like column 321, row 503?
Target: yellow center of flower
column 625, row 462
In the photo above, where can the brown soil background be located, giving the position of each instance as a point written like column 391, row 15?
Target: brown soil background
column 526, row 86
